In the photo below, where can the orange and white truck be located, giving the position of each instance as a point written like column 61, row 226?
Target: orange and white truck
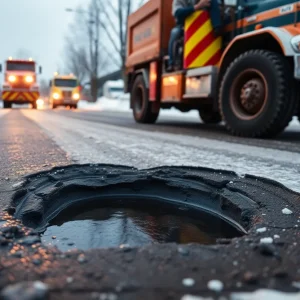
column 20, row 82
column 248, row 75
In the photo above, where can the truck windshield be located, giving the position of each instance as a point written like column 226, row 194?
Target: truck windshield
column 20, row 66
column 65, row 82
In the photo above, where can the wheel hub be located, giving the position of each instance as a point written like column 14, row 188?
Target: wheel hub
column 252, row 95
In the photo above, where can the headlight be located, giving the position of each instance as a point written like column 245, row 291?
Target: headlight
column 29, row 79
column 76, row 96
column 12, row 78
column 295, row 41
column 56, row 96
column 40, row 102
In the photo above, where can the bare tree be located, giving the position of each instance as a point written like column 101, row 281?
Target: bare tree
column 98, row 39
column 84, row 57
column 114, row 23
column 76, row 61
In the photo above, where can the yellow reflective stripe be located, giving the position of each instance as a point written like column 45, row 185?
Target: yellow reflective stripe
column 207, row 54
column 28, row 96
column 5, row 95
column 191, row 19
column 205, row 29
column 13, row 96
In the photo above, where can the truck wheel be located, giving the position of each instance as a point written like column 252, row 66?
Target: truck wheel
column 208, row 116
column 142, row 107
column 256, row 95
column 7, row 104
column 34, row 105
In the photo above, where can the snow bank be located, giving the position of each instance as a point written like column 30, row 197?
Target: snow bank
column 123, row 105
column 105, row 104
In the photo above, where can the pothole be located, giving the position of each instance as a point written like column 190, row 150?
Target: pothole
column 94, row 206
column 104, row 227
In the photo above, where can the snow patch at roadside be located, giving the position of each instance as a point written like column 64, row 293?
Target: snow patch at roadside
column 123, row 105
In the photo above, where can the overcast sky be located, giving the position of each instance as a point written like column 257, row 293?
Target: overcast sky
column 37, row 26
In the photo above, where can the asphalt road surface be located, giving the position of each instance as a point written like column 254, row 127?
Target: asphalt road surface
column 35, row 140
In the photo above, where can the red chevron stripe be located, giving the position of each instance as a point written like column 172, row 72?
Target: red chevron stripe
column 207, row 40
column 196, row 25
column 214, row 59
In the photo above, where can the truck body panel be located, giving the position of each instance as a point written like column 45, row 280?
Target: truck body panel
column 172, row 87
column 148, row 32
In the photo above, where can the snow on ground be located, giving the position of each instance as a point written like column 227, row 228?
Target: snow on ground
column 90, row 142
column 122, row 105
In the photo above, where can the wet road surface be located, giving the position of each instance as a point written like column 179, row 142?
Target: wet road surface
column 113, row 137
column 32, row 141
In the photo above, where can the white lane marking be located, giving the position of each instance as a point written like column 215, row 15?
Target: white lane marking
column 89, row 142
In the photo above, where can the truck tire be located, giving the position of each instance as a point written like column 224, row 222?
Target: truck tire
column 257, row 94
column 7, row 104
column 34, row 105
column 142, row 107
column 208, row 116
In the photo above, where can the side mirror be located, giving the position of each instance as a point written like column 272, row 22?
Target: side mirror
column 230, row 2
column 40, row 69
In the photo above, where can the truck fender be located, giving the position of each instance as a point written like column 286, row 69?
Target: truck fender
column 281, row 36
column 145, row 73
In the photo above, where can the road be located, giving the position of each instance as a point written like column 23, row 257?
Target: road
column 35, row 140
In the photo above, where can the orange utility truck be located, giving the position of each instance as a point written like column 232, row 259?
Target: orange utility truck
column 20, row 83
column 247, row 75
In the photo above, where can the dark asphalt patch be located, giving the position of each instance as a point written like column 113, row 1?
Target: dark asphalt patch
column 24, row 149
column 268, row 256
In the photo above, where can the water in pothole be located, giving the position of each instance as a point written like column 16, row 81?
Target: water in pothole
column 114, row 226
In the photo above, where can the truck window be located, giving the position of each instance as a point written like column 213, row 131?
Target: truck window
column 20, row 66
column 65, row 83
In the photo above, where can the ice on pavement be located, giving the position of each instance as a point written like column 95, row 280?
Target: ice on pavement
column 91, row 142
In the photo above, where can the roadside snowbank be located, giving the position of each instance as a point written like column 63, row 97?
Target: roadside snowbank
column 106, row 104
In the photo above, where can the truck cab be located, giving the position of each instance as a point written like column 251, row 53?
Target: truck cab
column 20, row 83
column 246, row 76
column 64, row 91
